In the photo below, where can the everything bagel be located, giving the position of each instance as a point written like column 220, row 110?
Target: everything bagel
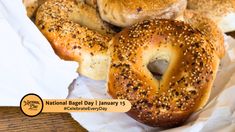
column 60, row 22
column 124, row 13
column 186, row 83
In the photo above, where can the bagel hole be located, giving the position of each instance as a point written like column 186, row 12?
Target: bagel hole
column 158, row 67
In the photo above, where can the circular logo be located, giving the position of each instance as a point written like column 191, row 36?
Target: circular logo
column 31, row 105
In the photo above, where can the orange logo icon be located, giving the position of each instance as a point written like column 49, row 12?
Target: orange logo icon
column 31, row 105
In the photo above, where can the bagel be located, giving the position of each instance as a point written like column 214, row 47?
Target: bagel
column 124, row 13
column 89, row 17
column 208, row 28
column 221, row 12
column 186, row 83
column 59, row 21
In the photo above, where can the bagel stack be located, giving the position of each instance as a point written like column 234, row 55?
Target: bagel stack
column 128, row 60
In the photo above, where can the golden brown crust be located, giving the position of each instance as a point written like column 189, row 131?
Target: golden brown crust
column 127, row 12
column 89, row 17
column 207, row 28
column 217, row 10
column 72, row 41
column 184, row 87
column 92, row 3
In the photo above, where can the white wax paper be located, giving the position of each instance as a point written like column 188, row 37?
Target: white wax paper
column 29, row 65
column 27, row 61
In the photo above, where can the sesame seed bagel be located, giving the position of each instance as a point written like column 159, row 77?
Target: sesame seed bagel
column 220, row 11
column 208, row 28
column 124, row 13
column 59, row 21
column 185, row 85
